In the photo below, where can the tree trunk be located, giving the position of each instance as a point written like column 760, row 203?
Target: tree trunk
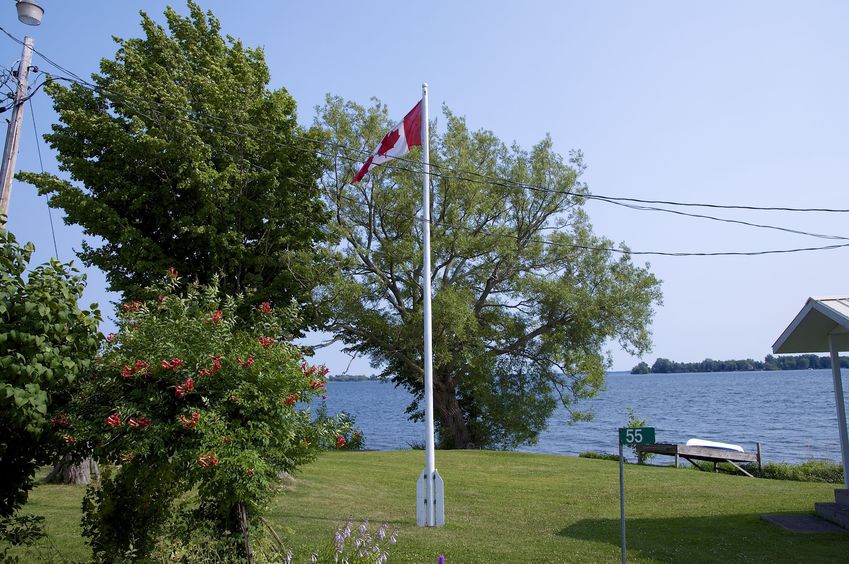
column 453, row 431
column 242, row 512
column 73, row 474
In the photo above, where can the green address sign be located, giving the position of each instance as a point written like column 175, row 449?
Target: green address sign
column 636, row 436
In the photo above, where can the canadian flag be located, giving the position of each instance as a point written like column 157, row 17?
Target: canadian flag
column 397, row 142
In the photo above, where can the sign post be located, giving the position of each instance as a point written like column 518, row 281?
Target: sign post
column 630, row 436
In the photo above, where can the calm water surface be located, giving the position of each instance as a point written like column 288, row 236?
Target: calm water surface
column 791, row 413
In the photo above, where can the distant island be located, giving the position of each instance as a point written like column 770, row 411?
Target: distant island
column 350, row 378
column 798, row 362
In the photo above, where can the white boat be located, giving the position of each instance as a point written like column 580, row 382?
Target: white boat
column 713, row 444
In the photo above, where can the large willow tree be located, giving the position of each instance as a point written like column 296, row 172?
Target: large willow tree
column 525, row 296
column 178, row 154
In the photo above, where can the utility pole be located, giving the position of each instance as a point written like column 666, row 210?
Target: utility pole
column 13, row 134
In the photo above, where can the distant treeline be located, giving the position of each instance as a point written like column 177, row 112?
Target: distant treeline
column 799, row 362
column 349, row 378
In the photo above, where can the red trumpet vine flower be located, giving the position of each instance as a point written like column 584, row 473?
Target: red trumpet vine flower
column 131, row 307
column 186, row 387
column 208, row 460
column 59, row 420
column 266, row 341
column 173, row 364
column 139, row 423
column 140, row 367
column 190, row 423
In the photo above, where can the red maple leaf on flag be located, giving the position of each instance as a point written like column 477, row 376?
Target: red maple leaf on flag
column 388, row 142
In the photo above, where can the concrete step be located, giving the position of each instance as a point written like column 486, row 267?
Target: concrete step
column 836, row 513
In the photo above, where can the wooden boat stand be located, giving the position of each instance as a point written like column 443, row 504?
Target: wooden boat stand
column 704, row 454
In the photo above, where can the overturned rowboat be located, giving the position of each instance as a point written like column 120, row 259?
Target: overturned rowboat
column 714, row 444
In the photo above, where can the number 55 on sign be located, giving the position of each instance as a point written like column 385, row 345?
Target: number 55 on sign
column 636, row 436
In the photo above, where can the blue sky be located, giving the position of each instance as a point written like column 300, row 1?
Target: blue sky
column 722, row 102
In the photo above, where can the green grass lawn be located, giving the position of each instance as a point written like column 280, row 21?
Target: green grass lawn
column 515, row 507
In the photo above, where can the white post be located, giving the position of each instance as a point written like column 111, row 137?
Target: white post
column 13, row 134
column 430, row 510
column 430, row 455
column 841, row 408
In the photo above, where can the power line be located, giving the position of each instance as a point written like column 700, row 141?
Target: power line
column 492, row 181
column 610, row 249
column 41, row 164
column 726, row 220
column 501, row 183
column 471, row 174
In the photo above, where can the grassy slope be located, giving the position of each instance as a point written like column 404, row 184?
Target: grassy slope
column 503, row 507
column 515, row 507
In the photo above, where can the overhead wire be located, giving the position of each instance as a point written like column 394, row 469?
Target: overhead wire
column 502, row 184
column 549, row 242
column 41, row 164
column 482, row 179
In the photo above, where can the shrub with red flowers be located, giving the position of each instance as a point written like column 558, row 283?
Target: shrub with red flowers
column 181, row 404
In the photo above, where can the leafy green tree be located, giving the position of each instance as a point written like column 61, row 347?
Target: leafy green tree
column 46, row 343
column 770, row 363
column 181, row 156
column 188, row 396
column 662, row 366
column 525, row 295
column 641, row 368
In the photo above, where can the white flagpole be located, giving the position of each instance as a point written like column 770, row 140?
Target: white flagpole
column 430, row 455
column 430, row 510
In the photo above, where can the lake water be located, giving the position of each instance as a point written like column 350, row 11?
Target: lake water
column 791, row 413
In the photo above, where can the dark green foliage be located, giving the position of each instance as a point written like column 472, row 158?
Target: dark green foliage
column 641, row 368
column 183, row 157
column 348, row 435
column 525, row 295
column 801, row 362
column 797, row 362
column 823, row 471
column 46, row 343
column 599, row 455
column 128, row 510
column 19, row 530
